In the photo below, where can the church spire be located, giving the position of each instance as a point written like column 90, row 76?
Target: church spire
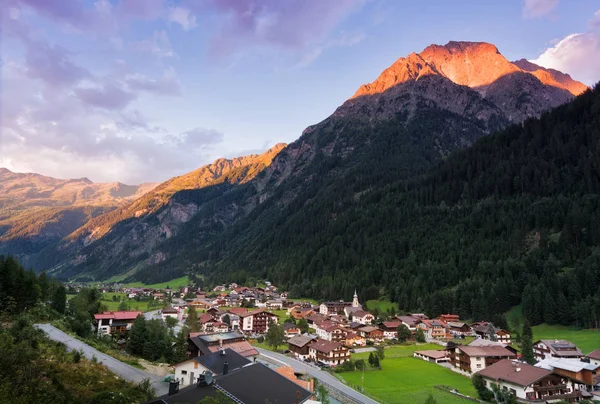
column 355, row 300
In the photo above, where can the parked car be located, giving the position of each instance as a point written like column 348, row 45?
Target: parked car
column 352, row 351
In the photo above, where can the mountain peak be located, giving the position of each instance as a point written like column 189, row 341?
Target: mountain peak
column 552, row 77
column 477, row 65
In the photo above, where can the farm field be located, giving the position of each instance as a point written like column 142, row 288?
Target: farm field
column 410, row 380
column 586, row 339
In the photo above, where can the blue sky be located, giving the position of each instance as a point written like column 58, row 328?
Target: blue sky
column 142, row 90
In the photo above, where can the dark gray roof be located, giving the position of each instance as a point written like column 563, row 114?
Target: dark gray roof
column 215, row 361
column 252, row 384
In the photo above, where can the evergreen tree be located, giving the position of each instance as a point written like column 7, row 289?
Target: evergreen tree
column 303, row 325
column 137, row 337
column 59, row 302
column 550, row 315
column 482, row 391
column 527, row 344
column 420, row 335
column 376, row 363
column 275, row 336
column 563, row 312
column 192, row 321
column 371, row 359
column 403, row 332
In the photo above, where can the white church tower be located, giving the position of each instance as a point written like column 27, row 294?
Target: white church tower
column 355, row 300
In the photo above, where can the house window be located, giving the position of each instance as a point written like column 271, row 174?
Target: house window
column 479, row 366
column 184, row 372
column 195, row 365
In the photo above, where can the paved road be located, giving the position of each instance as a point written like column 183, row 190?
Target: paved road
column 119, row 368
column 319, row 374
column 369, row 349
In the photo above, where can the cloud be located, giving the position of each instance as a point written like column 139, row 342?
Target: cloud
column 108, row 96
column 159, row 45
column 294, row 24
column 61, row 119
column 183, row 17
column 200, row 137
column 538, row 8
column 168, row 84
column 52, row 64
column 577, row 54
column 44, row 132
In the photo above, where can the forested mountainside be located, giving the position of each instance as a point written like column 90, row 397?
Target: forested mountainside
column 419, row 110
column 37, row 211
column 515, row 218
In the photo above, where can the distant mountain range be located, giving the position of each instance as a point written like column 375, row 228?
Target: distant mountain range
column 228, row 216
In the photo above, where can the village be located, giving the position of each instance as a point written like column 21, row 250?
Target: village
column 233, row 324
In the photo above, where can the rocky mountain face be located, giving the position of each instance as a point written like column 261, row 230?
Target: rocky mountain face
column 418, row 111
column 471, row 79
column 131, row 232
column 36, row 210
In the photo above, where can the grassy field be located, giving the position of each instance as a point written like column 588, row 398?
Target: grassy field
column 382, row 305
column 133, row 304
column 173, row 283
column 586, row 340
column 404, row 379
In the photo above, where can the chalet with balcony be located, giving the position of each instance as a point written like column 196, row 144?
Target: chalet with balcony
column 328, row 352
column 472, row 359
column 371, row 333
column 433, row 329
column 390, row 329
column 115, row 322
column 584, row 376
column 299, row 345
column 458, row 328
column 529, row 383
column 544, row 349
column 482, row 329
column 328, row 308
column 291, row 330
column 257, row 322
column 410, row 321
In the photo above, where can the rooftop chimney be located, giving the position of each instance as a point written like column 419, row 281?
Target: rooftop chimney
column 225, row 368
column 222, row 352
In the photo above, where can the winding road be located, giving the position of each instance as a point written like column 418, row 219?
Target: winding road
column 319, row 374
column 119, row 368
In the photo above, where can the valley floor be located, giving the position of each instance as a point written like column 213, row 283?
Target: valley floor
column 405, row 379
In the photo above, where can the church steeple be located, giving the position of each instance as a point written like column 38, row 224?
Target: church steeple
column 355, row 300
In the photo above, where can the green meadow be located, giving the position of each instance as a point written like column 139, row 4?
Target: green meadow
column 586, row 339
column 405, row 379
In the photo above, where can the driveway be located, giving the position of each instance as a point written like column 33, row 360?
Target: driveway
column 319, row 374
column 117, row 367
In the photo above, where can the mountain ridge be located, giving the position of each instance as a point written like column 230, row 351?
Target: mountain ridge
column 419, row 117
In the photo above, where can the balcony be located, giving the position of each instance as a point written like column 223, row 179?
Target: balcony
column 552, row 387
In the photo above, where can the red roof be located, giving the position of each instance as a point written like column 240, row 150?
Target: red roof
column 118, row 315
